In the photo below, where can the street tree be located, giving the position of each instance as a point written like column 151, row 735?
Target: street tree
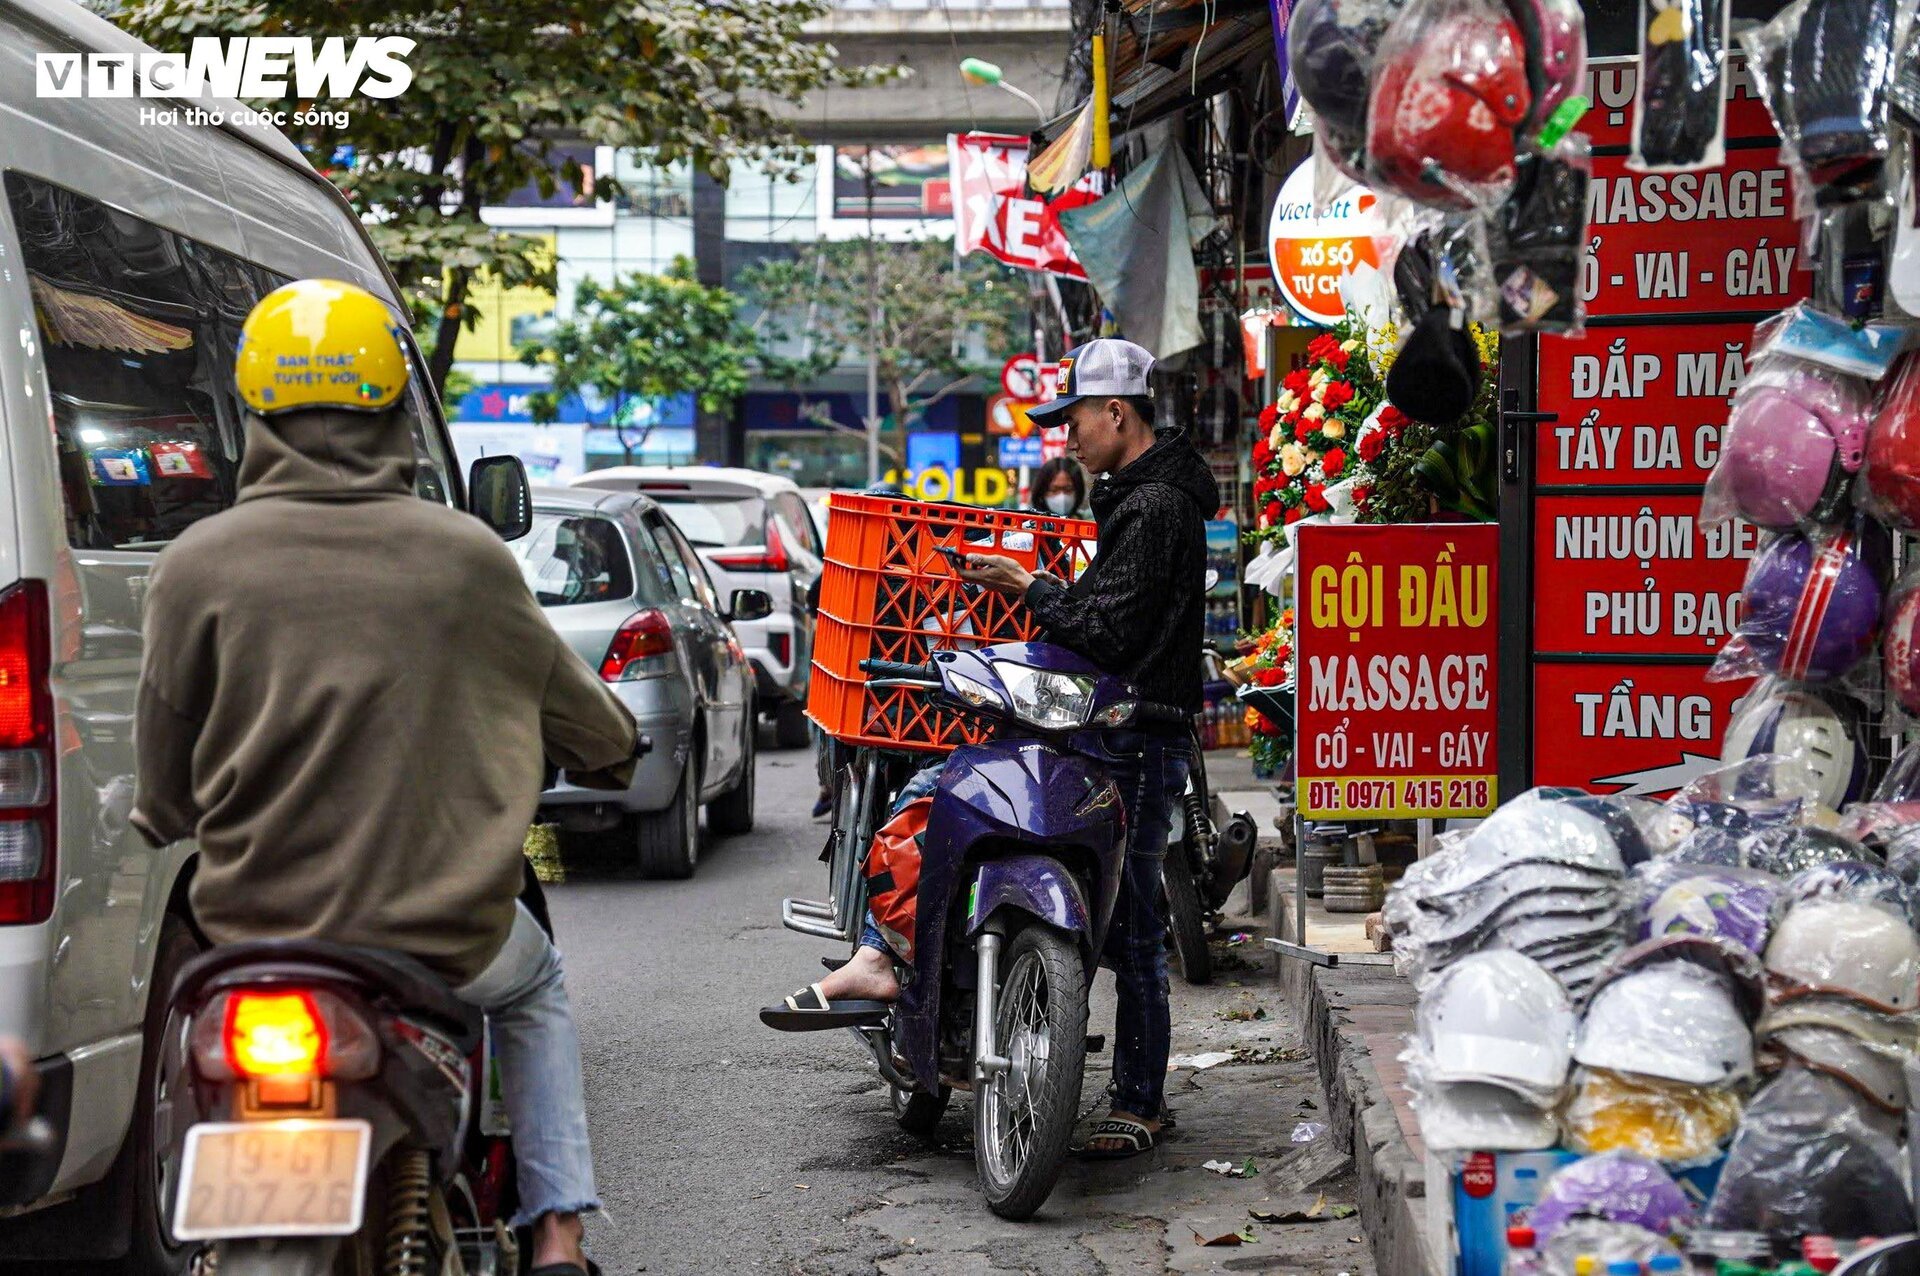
column 931, row 323
column 641, row 339
column 498, row 87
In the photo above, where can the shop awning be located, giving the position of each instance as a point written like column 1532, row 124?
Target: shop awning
column 1173, row 52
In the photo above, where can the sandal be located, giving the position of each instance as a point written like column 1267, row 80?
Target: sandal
column 1134, row 1132
column 808, row 1010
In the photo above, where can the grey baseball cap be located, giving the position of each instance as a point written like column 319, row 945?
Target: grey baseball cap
column 1106, row 368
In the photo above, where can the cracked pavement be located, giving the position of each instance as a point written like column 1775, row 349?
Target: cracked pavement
column 723, row 1147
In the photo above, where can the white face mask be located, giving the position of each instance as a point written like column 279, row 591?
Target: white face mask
column 1060, row 503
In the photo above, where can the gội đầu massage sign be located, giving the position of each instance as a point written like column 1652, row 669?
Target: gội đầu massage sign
column 1396, row 641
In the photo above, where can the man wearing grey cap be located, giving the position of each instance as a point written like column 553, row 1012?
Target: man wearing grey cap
column 1138, row 612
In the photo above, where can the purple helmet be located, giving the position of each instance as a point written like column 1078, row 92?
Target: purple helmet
column 1728, row 903
column 1812, row 606
column 1617, row 1186
column 1330, row 51
column 1793, row 444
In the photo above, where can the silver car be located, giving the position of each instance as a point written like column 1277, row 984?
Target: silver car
column 623, row 587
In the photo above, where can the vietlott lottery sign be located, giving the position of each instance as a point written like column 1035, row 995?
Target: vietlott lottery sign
column 1396, row 641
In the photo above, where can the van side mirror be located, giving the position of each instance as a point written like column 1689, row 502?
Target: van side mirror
column 499, row 495
column 750, row 604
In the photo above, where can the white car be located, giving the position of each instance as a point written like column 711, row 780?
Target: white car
column 132, row 252
column 755, row 532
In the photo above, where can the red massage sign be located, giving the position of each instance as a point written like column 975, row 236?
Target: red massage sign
column 1632, row 599
column 1396, row 635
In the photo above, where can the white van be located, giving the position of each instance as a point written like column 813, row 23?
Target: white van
column 129, row 254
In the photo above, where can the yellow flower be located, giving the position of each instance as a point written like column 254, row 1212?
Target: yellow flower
column 1293, row 459
column 1350, row 345
column 1334, row 428
column 1288, row 402
column 1315, row 413
column 1251, row 717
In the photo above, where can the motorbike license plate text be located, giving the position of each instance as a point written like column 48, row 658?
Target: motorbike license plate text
column 272, row 1178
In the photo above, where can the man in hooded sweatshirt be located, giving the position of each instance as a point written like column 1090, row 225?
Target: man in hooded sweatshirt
column 1139, row 613
column 345, row 698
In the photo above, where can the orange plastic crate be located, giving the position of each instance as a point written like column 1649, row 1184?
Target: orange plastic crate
column 887, row 594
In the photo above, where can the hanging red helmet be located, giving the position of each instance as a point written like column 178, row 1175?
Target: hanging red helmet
column 1893, row 449
column 1444, row 108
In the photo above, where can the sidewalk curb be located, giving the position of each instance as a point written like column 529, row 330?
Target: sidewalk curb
column 1391, row 1173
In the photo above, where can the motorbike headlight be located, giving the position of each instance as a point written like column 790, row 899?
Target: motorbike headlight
column 977, row 694
column 1052, row 701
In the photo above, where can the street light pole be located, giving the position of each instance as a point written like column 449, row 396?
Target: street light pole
column 873, row 337
column 979, row 71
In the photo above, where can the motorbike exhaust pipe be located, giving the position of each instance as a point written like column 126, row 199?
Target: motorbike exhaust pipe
column 987, row 1060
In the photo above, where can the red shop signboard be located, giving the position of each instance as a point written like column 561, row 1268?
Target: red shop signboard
column 1628, row 729
column 1635, row 575
column 1396, row 641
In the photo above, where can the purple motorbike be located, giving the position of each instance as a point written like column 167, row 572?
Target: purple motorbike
column 1021, row 865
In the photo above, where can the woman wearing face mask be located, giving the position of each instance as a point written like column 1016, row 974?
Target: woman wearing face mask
column 1060, row 489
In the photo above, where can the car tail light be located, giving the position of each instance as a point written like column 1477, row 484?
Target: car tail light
column 781, row 645
column 27, row 825
column 770, row 558
column 643, row 648
column 276, row 1033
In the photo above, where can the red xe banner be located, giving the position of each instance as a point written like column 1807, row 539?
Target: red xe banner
column 994, row 213
column 1396, row 637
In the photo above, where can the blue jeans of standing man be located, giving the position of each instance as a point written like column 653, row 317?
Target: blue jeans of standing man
column 1152, row 783
column 524, row 992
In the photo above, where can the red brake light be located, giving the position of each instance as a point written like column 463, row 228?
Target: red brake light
column 640, row 647
column 771, row 558
column 26, row 755
column 274, row 1035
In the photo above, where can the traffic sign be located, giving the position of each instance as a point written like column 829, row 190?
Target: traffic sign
column 1020, row 377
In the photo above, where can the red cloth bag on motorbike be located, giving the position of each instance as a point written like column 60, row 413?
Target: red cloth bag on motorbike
column 893, row 875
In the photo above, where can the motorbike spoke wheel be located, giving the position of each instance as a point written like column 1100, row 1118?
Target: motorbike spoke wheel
column 1186, row 915
column 1024, row 1115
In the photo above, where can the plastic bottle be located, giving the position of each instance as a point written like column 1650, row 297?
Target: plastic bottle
column 1623, row 1267
column 1585, row 1265
column 1666, row 1265
column 1522, row 1258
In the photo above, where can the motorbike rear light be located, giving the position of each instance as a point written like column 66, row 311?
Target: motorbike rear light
column 27, row 826
column 641, row 648
column 282, row 1034
column 771, row 557
column 274, row 1034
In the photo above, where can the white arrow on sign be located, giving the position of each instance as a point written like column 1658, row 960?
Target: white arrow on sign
column 1662, row 779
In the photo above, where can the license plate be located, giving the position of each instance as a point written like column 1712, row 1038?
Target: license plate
column 272, row 1178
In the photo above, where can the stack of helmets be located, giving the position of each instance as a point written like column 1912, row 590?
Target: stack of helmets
column 1664, row 1047
column 1817, row 1150
column 1493, row 1042
column 1544, row 876
column 1613, row 1206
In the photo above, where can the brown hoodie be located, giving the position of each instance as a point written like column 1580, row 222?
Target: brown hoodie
column 344, row 698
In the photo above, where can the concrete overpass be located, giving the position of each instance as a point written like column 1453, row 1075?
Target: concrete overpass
column 1028, row 38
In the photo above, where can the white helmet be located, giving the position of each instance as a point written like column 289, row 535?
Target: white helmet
column 1848, row 946
column 1878, row 1075
column 1674, row 1020
column 1473, row 1116
column 1816, row 742
column 1537, row 828
column 1498, row 1018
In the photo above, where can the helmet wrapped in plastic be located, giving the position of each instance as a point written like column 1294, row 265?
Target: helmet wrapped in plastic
column 1448, row 94
column 1893, row 448
column 1819, row 741
column 1618, row 1187
column 1848, row 946
column 1811, row 606
column 1473, row 1116
column 1498, row 1018
column 1851, row 880
column 1331, row 45
column 1733, row 904
column 1667, row 1121
column 1673, row 1020
column 1795, row 848
column 1795, row 438
column 1900, row 644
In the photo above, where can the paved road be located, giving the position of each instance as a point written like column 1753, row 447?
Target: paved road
column 723, row 1147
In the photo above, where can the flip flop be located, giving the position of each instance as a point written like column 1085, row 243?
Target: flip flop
column 808, row 1010
column 1134, row 1132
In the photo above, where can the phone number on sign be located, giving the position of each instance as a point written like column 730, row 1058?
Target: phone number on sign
column 1401, row 798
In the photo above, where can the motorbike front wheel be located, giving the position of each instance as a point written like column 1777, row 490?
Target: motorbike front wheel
column 1024, row 1116
column 1186, row 915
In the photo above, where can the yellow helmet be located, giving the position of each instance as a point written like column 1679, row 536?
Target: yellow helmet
column 319, row 343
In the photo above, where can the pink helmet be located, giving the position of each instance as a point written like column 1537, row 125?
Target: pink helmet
column 1563, row 54
column 1793, row 443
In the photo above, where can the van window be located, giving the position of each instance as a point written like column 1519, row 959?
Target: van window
column 138, row 327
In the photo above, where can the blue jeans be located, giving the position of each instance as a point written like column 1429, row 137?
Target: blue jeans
column 1151, row 785
column 524, row 992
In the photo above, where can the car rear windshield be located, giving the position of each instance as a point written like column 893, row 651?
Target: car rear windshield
column 574, row 558
column 716, row 522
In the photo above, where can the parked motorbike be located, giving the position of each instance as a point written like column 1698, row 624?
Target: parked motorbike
column 1208, row 854
column 1024, row 848
column 326, row 1109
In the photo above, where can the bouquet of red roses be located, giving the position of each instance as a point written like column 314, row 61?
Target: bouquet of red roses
column 1307, row 437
